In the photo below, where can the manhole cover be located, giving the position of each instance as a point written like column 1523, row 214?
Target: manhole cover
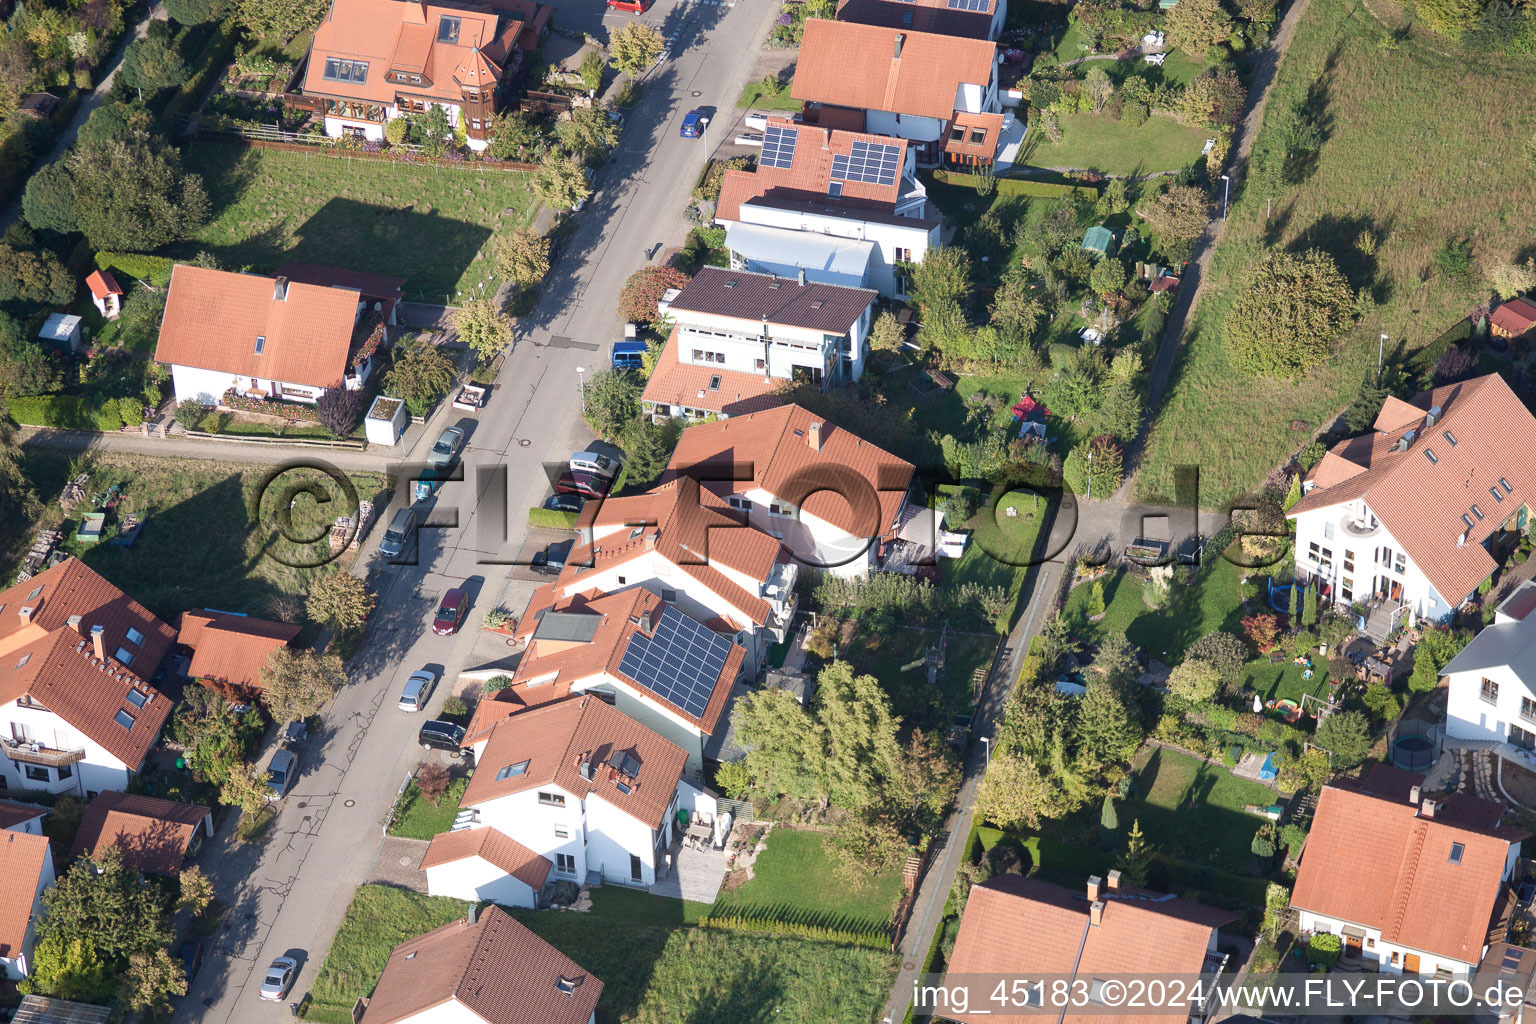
column 697, row 94
column 909, row 965
column 303, row 804
column 405, row 862
column 348, row 803
column 523, row 442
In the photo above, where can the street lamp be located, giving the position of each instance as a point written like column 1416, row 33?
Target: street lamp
column 581, row 375
column 988, row 741
column 1226, row 190
column 1381, row 346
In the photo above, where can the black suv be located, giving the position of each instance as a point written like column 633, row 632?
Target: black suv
column 441, row 735
column 553, row 558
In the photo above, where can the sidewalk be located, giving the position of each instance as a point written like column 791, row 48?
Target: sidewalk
column 376, row 460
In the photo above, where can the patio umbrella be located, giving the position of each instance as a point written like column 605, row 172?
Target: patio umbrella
column 1258, row 705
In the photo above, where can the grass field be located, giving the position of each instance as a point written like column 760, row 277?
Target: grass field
column 1380, row 171
column 795, row 880
column 1193, row 810
column 429, row 225
column 379, row 918
column 416, row 817
column 1093, row 141
column 762, row 97
column 211, row 537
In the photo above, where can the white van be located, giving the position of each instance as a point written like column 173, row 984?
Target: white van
column 594, row 462
column 398, row 535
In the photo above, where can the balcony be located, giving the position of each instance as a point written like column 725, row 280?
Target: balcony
column 1356, row 527
column 36, row 753
column 780, row 594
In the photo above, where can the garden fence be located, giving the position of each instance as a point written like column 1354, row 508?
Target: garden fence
column 302, row 442
column 265, row 137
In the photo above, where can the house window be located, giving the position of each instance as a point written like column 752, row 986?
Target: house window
column 621, row 581
column 1502, row 483
column 1467, row 520
column 261, row 343
column 511, row 771
column 1457, row 849
column 1327, row 531
column 1429, row 453
column 957, row 133
column 37, row 774
column 1528, row 709
column 780, row 509
column 552, row 799
column 65, row 772
column 447, row 29
column 135, row 637
column 1349, row 561
column 1477, row 512
column 669, row 596
column 338, row 70
column 903, row 255
column 124, row 655
column 1450, row 438
column 565, row 863
column 561, row 832
column 24, row 659
column 123, row 719
column 835, row 189
column 1384, row 556
column 137, row 698
column 761, row 365
column 1402, row 564
column 738, row 502
column 978, row 136
column 1489, row 691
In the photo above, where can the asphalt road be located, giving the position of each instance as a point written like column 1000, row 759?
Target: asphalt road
column 288, row 894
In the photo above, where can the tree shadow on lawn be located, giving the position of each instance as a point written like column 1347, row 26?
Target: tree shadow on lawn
column 752, row 996
column 1187, row 821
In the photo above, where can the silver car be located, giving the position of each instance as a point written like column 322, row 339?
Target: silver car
column 446, row 448
column 279, row 976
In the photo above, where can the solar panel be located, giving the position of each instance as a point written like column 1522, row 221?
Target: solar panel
column 680, row 663
column 968, row 5
column 779, row 146
column 868, row 162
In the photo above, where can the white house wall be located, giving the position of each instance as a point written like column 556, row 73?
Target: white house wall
column 814, row 541
column 903, row 126
column 100, row 770
column 648, row 712
column 1324, row 527
column 1379, row 953
column 475, row 879
column 613, row 837
column 17, row 967
column 208, row 386
column 1469, row 716
column 449, row 1011
column 887, row 238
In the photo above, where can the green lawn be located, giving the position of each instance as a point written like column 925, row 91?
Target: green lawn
column 416, row 817
column 929, row 707
column 795, row 880
column 211, row 536
column 759, row 96
column 1193, row 810
column 431, row 226
column 379, row 918
column 1094, row 141
column 1210, row 603
column 1378, row 174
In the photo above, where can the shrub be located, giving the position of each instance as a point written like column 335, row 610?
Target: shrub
column 1096, row 600
column 454, row 707
column 497, row 683
column 68, row 412
column 551, row 518
column 155, row 270
column 1023, row 186
column 1323, row 949
column 877, row 938
column 191, row 413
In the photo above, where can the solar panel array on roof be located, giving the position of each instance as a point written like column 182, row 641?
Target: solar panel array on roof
column 869, row 162
column 680, row 663
column 779, row 146
column 968, row 5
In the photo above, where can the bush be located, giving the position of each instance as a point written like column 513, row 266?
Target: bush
column 1323, row 949
column 454, row 707
column 339, row 410
column 878, row 938
column 68, row 412
column 1023, row 186
column 191, row 413
column 551, row 518
column 156, row 270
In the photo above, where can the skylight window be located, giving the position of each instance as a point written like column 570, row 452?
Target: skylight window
column 1429, row 453
column 261, row 343
column 338, row 70
column 137, row 698
column 1450, row 438
column 1502, row 483
column 123, row 719
column 447, row 29
column 1467, row 520
column 511, row 771
column 33, row 595
column 1497, row 494
column 135, row 637
column 1457, row 849
column 835, row 189
column 1477, row 512
column 124, row 655
column 24, row 659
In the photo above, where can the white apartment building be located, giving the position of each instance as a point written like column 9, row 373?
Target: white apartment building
column 1491, row 684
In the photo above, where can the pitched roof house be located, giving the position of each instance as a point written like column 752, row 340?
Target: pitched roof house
column 1410, row 884
column 106, row 294
column 1491, row 684
column 373, row 60
column 740, row 335
column 1513, row 319
column 972, row 19
column 909, row 84
column 288, row 338
column 22, row 817
column 154, row 835
column 485, row 864
column 76, row 714
column 230, row 650
column 1014, row 925
column 26, row 865
column 829, row 495
column 484, row 969
column 844, row 207
column 1411, row 512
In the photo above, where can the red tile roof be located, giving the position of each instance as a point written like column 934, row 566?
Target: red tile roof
column 764, row 298
column 810, row 173
column 1515, row 316
column 213, row 318
column 684, row 384
column 849, row 482
column 495, row 968
column 56, row 664
column 966, row 147
column 231, row 649
column 495, row 848
column 22, row 858
column 1372, row 859
column 153, row 834
column 385, row 289
column 851, row 65
column 1016, row 925
column 555, row 739
column 13, row 814
column 102, row 283
column 1421, row 502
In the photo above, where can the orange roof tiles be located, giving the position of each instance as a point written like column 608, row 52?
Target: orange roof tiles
column 968, row 146
column 214, row 317
column 852, row 65
column 1420, row 501
column 229, row 648
column 49, row 659
column 13, row 814
column 810, row 174
column 1015, row 925
column 102, row 283
column 555, row 739
column 848, row 482
column 1372, row 859
column 492, row 846
column 153, row 834
column 1515, row 316
column 495, row 968
column 22, row 859
column 684, row 384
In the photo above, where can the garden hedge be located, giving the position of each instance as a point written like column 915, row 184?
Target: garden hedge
column 1022, row 186
column 154, row 270
column 551, row 518
column 209, row 64
column 875, row 938
column 66, row 411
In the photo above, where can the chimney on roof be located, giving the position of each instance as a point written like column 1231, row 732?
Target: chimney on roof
column 1095, row 883
column 650, row 539
column 1413, row 795
column 1113, row 879
column 26, row 613
column 473, row 915
column 74, row 623
column 647, row 623
column 1427, row 809
column 586, row 767
column 1096, row 913
column 99, row 641
column 802, row 277
column 280, row 290
column 1432, row 417
column 901, row 37
column 813, row 436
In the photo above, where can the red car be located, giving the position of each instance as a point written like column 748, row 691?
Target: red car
column 450, row 614
column 588, row 485
column 632, row 6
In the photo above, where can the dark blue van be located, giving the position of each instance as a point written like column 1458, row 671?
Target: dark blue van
column 628, row 355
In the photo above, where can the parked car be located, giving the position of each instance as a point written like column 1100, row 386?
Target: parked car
column 617, row 119
column 553, row 558
column 418, row 690
column 398, row 534
column 281, row 772
column 278, row 977
column 588, row 485
column 429, row 481
column 595, row 463
column 191, row 954
column 632, row 6
column 581, row 204
column 694, row 123
column 440, row 735
column 450, row 612
column 446, row 447
column 295, row 733
column 627, row 355
column 565, row 502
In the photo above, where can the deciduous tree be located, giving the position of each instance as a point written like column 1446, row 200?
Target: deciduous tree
column 27, row 367
column 132, row 194
column 942, row 281
column 522, row 257
column 644, row 289
column 1287, row 314
column 1505, row 278
column 1226, row 653
column 282, row 19
column 49, row 201
column 887, row 334
column 421, row 373
column 612, row 402
column 635, row 46
column 339, row 409
column 589, row 132
column 152, row 978
column 152, row 63
column 297, row 684
column 1016, row 310
column 34, row 275
column 339, row 599
column 1108, row 277
column 1178, row 214
column 1196, row 681
column 195, row 12
column 432, row 780
column 196, row 890
column 101, row 900
column 69, row 968
column 245, row 787
column 560, row 181
column 483, row 327
column 1196, row 26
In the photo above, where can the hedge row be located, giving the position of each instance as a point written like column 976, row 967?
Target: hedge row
column 551, row 518
column 153, row 270
column 66, row 411
column 1022, row 186
column 878, row 938
column 210, row 63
